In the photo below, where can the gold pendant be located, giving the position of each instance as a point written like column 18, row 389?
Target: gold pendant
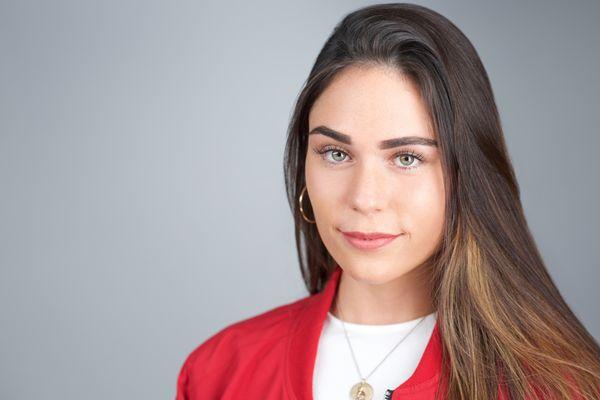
column 361, row 391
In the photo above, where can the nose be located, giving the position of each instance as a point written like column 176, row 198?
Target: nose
column 368, row 189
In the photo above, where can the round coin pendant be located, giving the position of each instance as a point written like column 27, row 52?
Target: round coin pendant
column 361, row 391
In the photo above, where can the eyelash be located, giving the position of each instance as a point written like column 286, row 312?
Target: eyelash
column 410, row 152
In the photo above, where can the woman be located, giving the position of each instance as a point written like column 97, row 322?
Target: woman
column 424, row 279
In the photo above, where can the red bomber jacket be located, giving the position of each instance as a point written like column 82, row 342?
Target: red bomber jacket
column 271, row 356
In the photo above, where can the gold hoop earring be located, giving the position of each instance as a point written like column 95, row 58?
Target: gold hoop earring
column 302, row 209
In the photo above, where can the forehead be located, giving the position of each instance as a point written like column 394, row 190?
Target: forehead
column 372, row 103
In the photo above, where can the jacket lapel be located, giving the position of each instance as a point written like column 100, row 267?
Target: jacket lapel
column 304, row 340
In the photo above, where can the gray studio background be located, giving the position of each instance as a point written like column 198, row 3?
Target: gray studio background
column 142, row 204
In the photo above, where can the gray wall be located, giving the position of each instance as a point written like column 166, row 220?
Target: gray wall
column 142, row 204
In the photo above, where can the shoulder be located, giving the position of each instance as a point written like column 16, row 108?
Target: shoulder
column 241, row 340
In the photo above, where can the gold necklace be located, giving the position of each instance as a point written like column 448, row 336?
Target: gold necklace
column 363, row 390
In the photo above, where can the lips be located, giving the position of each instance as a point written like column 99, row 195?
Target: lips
column 370, row 235
column 368, row 241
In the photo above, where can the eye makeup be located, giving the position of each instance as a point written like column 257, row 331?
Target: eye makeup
column 328, row 149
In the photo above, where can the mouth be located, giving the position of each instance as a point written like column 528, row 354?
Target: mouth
column 370, row 240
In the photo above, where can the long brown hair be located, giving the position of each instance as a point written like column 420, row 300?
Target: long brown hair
column 501, row 317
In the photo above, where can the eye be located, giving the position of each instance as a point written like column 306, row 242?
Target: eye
column 407, row 157
column 337, row 153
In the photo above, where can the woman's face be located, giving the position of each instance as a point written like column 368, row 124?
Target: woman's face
column 365, row 182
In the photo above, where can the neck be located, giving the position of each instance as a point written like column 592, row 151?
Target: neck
column 403, row 299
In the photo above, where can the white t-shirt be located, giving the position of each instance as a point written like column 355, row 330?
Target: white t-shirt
column 335, row 372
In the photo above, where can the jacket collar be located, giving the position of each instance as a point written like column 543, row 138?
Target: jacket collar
column 304, row 339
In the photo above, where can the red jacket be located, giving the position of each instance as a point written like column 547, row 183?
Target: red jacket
column 271, row 356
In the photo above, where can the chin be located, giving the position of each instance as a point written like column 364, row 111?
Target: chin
column 374, row 275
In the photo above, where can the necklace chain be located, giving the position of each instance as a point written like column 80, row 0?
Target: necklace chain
column 384, row 358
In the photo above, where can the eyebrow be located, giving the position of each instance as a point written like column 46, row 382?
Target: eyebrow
column 384, row 144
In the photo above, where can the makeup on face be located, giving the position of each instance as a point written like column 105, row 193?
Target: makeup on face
column 369, row 241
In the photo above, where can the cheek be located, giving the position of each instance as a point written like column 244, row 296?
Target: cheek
column 424, row 207
column 325, row 190
column 326, row 198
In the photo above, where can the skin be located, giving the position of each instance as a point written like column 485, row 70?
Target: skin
column 364, row 188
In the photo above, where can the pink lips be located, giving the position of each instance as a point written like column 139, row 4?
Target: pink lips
column 368, row 241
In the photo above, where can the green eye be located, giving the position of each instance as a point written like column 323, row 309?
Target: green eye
column 405, row 156
column 334, row 152
column 409, row 156
column 339, row 154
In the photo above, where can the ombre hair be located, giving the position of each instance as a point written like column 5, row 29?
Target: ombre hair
column 502, row 320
